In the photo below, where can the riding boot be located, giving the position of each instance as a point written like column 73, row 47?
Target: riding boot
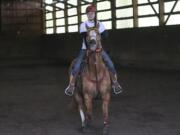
column 115, row 84
column 70, row 89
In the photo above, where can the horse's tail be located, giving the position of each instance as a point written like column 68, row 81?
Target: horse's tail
column 72, row 106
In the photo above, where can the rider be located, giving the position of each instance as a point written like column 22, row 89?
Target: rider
column 91, row 22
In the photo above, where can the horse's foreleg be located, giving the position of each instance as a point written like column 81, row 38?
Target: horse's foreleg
column 82, row 116
column 88, row 103
column 105, row 107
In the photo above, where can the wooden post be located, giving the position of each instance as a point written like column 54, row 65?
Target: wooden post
column 113, row 14
column 0, row 16
column 79, row 13
column 95, row 2
column 161, row 13
column 54, row 20
column 66, row 16
column 43, row 12
column 135, row 13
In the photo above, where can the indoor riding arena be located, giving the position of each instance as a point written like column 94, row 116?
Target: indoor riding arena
column 40, row 38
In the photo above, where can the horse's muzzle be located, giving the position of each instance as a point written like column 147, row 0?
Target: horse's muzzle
column 93, row 41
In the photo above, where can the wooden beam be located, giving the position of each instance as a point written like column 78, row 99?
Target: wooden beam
column 124, row 7
column 79, row 14
column 174, row 13
column 43, row 18
column 85, row 2
column 153, row 8
column 145, row 4
column 54, row 20
column 65, row 1
column 52, row 5
column 171, row 12
column 161, row 13
column 66, row 17
column 135, row 13
column 113, row 14
column 95, row 2
column 0, row 16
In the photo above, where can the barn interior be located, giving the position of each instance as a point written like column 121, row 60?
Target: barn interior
column 40, row 38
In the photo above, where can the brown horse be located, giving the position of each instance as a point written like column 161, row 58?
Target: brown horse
column 94, row 80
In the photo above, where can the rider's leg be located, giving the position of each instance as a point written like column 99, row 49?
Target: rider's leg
column 74, row 72
column 115, row 85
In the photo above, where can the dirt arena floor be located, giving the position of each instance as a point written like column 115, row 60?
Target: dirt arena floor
column 32, row 102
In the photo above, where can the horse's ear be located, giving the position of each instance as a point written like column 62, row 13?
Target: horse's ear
column 97, row 26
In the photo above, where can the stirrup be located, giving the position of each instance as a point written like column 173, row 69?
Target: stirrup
column 117, row 88
column 69, row 91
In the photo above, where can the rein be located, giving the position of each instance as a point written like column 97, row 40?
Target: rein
column 97, row 84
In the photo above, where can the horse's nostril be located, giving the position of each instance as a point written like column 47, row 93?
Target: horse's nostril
column 92, row 41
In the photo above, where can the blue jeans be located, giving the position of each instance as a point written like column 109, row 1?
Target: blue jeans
column 75, row 70
column 77, row 66
column 108, row 62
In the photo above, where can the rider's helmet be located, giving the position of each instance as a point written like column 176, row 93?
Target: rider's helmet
column 91, row 8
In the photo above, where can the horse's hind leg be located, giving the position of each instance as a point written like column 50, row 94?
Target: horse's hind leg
column 105, row 107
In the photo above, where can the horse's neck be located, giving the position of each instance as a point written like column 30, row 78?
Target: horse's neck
column 95, row 63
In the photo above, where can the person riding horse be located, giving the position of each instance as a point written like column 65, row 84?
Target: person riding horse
column 91, row 22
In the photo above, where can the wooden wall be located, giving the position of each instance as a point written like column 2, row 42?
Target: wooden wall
column 21, row 17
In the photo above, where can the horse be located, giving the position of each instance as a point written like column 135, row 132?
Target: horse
column 94, row 79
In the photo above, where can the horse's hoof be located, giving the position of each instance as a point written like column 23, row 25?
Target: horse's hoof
column 106, row 130
column 88, row 129
column 82, row 130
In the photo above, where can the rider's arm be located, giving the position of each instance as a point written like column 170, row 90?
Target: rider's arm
column 83, row 31
column 83, row 38
column 104, row 34
column 103, row 31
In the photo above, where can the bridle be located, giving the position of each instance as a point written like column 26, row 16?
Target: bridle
column 93, row 39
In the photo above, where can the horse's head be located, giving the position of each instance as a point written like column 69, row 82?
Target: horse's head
column 93, row 38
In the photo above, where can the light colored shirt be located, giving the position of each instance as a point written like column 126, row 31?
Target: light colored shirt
column 90, row 24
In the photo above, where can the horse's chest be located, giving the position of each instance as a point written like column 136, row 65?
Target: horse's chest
column 93, row 86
